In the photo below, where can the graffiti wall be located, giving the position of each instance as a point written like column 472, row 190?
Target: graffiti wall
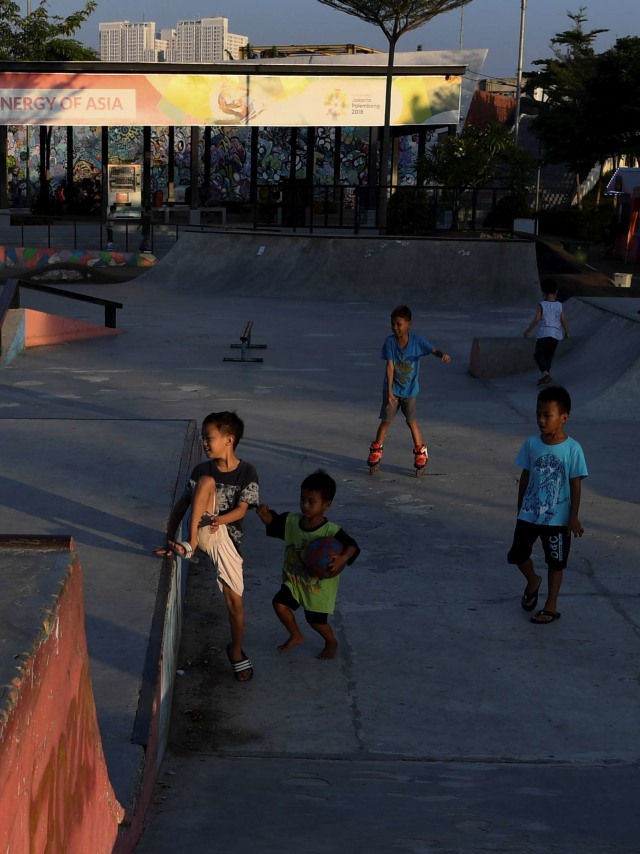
column 229, row 159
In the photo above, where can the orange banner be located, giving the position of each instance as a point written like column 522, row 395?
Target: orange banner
column 298, row 100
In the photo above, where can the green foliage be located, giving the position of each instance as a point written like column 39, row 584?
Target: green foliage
column 587, row 223
column 479, row 157
column 613, row 98
column 70, row 50
column 562, row 122
column 40, row 36
column 589, row 112
column 410, row 211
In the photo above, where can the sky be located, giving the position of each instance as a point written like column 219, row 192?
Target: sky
column 492, row 24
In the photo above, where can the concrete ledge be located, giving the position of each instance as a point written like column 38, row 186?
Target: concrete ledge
column 500, row 356
column 151, row 728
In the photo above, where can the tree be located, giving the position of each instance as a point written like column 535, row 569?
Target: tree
column 41, row 37
column 480, row 157
column 612, row 105
column 394, row 18
column 568, row 131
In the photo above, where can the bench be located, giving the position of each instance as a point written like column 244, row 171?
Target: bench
column 165, row 211
column 195, row 215
column 244, row 345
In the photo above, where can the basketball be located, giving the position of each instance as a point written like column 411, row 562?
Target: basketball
column 317, row 556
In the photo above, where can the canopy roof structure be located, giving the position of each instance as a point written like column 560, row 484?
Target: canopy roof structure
column 430, row 88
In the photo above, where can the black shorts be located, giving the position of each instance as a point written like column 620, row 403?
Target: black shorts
column 555, row 539
column 284, row 596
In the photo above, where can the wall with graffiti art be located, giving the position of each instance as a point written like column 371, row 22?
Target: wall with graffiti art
column 229, row 160
column 35, row 257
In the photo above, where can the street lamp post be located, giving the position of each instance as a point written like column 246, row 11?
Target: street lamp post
column 523, row 13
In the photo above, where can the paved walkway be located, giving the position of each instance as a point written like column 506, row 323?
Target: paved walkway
column 448, row 722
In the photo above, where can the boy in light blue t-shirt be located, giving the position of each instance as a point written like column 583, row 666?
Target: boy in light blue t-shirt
column 402, row 352
column 553, row 467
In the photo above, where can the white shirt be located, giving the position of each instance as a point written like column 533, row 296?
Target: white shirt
column 549, row 325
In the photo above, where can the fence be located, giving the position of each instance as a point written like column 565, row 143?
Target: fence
column 297, row 206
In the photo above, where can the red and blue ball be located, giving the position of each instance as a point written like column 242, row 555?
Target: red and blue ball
column 318, row 554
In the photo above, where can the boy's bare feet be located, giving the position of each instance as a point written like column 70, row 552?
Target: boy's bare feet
column 329, row 651
column 293, row 640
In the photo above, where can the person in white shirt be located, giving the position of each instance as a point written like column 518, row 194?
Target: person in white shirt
column 551, row 326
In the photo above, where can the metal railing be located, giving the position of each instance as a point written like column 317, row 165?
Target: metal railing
column 298, row 206
column 354, row 208
column 10, row 298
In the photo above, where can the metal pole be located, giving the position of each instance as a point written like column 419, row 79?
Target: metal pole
column 523, row 12
column 461, row 25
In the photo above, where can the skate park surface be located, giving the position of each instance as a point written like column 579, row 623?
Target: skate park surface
column 448, row 722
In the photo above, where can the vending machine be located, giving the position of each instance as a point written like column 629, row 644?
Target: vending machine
column 124, row 189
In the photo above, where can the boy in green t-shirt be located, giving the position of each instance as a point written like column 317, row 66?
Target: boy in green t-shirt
column 316, row 595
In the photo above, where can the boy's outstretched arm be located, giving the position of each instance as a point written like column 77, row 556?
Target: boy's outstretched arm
column 575, row 491
column 564, row 324
column 444, row 357
column 264, row 513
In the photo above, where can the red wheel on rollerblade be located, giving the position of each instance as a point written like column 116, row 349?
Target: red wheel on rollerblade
column 375, row 455
column 420, row 458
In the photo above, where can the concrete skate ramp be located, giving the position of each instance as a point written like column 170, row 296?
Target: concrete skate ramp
column 603, row 371
column 393, row 270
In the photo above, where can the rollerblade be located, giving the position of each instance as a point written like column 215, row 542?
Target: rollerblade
column 375, row 455
column 420, row 458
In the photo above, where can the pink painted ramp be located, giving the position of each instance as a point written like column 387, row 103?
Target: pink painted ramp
column 42, row 329
column 56, row 794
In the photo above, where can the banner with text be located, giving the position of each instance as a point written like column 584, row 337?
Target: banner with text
column 225, row 99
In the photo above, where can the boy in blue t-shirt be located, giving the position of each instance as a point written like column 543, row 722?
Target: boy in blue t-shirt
column 402, row 352
column 553, row 467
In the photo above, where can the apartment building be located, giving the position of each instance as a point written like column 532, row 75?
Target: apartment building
column 207, row 40
column 197, row 40
column 123, row 41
